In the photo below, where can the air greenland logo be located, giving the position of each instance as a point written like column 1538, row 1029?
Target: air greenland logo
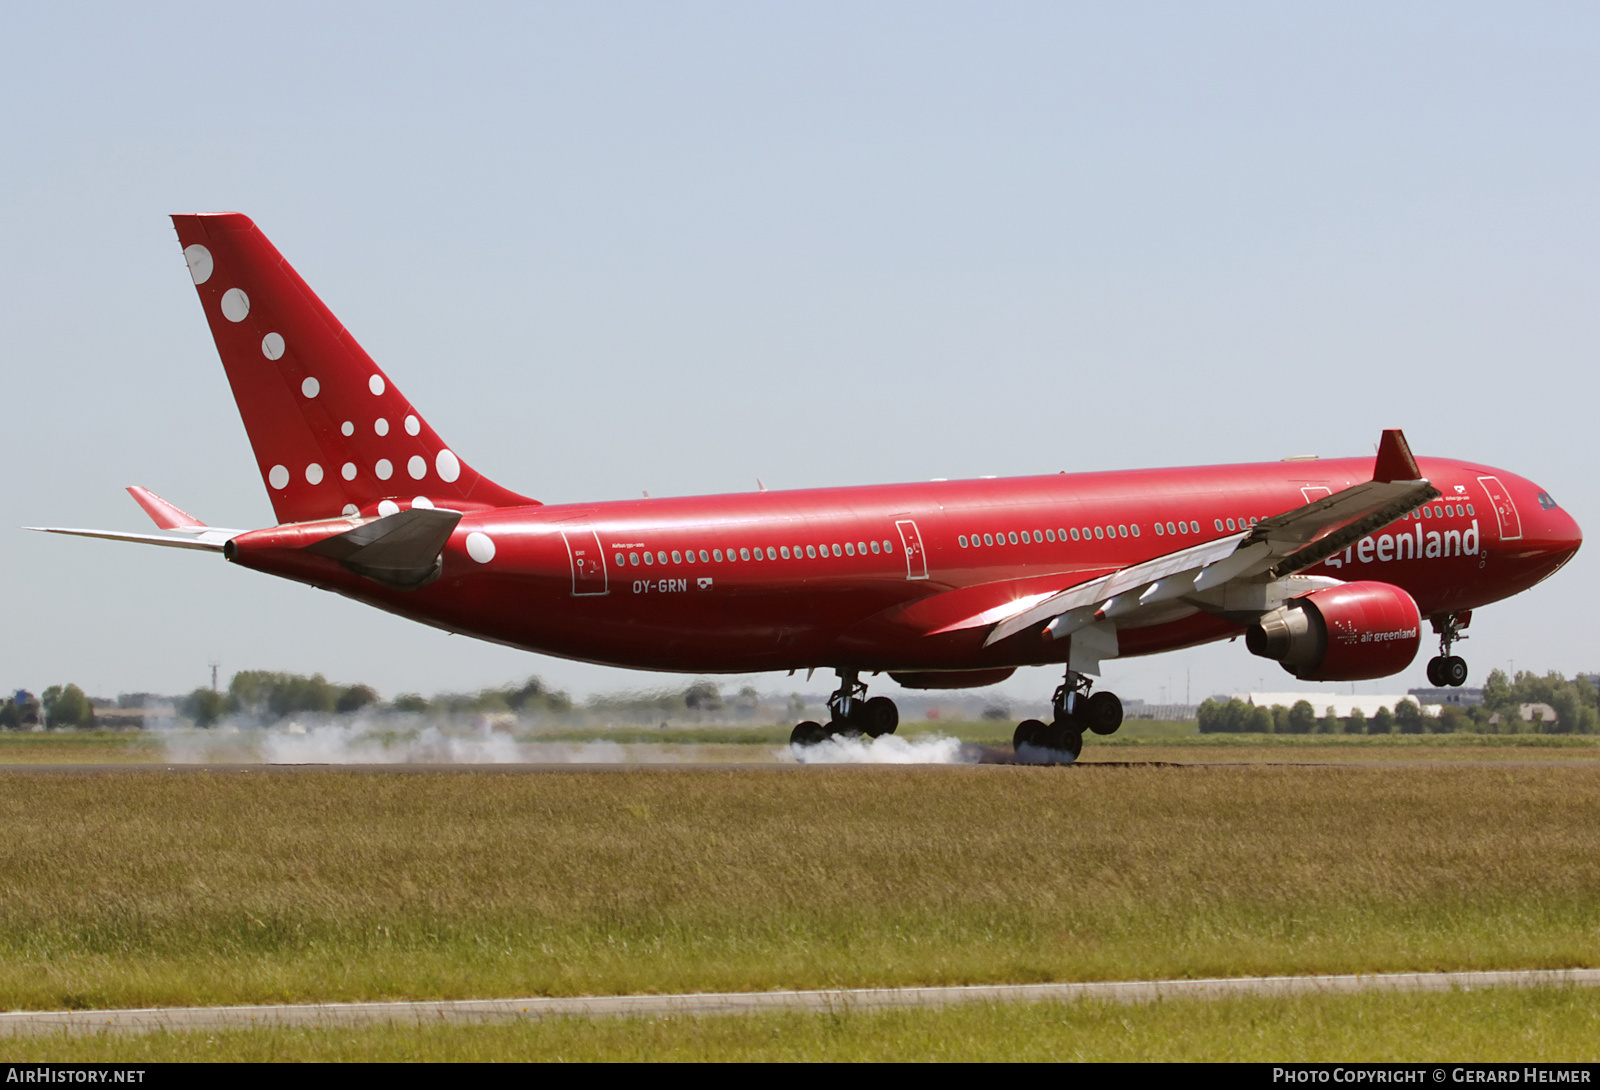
column 1348, row 634
column 1421, row 545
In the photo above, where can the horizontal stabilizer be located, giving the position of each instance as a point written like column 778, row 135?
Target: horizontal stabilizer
column 163, row 514
column 209, row 538
column 400, row 550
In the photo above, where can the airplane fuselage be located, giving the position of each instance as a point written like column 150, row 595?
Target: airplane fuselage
column 865, row 577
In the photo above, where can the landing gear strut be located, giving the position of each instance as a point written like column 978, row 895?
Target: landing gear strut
column 1444, row 668
column 1074, row 710
column 850, row 714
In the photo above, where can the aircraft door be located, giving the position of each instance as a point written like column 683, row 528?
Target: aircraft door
column 588, row 562
column 1504, row 509
column 916, row 559
column 1315, row 492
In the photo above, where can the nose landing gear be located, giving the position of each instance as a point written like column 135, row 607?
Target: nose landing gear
column 850, row 714
column 1445, row 669
column 1075, row 710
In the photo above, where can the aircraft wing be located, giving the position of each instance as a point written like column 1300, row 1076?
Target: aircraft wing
column 1204, row 575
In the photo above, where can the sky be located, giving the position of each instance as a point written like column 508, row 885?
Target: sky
column 612, row 248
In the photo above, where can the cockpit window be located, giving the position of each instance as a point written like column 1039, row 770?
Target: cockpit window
column 1546, row 502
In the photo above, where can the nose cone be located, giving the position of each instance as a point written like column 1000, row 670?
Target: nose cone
column 1552, row 536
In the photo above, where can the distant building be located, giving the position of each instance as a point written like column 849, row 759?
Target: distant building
column 1531, row 713
column 1461, row 698
column 1139, row 709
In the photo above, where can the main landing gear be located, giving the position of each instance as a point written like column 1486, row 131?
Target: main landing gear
column 1444, row 668
column 1075, row 711
column 850, row 715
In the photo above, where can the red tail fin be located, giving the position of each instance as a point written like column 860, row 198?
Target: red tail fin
column 331, row 433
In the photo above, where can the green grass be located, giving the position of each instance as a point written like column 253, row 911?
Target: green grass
column 1540, row 1025
column 200, row 888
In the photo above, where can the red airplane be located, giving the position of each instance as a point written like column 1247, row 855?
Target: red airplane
column 1327, row 566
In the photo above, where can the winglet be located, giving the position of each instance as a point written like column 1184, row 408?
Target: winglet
column 162, row 513
column 1395, row 462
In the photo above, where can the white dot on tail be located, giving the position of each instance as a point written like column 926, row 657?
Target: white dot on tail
column 381, row 426
column 199, row 261
column 278, row 476
column 347, row 428
column 413, row 425
column 422, row 501
column 310, row 387
column 375, row 384
column 348, row 471
column 449, row 469
column 313, row 473
column 235, row 305
column 387, row 508
column 417, row 467
column 272, row 346
column 383, row 469
column 480, row 547
column 350, row 510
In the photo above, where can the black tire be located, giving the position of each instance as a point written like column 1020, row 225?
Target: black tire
column 1029, row 732
column 879, row 716
column 808, row 734
column 1454, row 670
column 1064, row 741
column 1104, row 714
column 1435, row 674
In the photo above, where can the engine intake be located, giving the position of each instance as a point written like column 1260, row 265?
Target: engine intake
column 1352, row 632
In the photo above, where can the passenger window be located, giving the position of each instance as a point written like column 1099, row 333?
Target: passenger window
column 849, row 548
column 677, row 557
column 1170, row 530
column 811, row 551
column 874, row 547
column 620, row 560
column 1470, row 511
column 1050, row 535
column 744, row 554
column 1099, row 532
column 633, row 558
column 836, row 551
column 716, row 554
column 704, row 557
column 662, row 556
column 1122, row 531
column 1074, row 533
column 888, row 546
column 1135, row 529
column 649, row 558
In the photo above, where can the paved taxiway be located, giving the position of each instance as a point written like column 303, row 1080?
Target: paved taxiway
column 472, row 1011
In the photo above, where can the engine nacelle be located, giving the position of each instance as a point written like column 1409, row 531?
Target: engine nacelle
column 1352, row 632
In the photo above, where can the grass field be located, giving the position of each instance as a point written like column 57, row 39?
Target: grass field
column 217, row 887
column 1549, row 1025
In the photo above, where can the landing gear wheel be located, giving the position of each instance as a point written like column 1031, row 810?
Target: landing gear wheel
column 1453, row 670
column 1435, row 674
column 1103, row 714
column 878, row 717
column 1029, row 732
column 808, row 734
column 843, row 732
column 1065, row 740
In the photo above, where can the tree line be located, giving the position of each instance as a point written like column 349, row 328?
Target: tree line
column 1572, row 700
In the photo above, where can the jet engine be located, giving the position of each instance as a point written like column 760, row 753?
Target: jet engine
column 1352, row 632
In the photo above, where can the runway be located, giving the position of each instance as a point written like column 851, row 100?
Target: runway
column 481, row 1011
